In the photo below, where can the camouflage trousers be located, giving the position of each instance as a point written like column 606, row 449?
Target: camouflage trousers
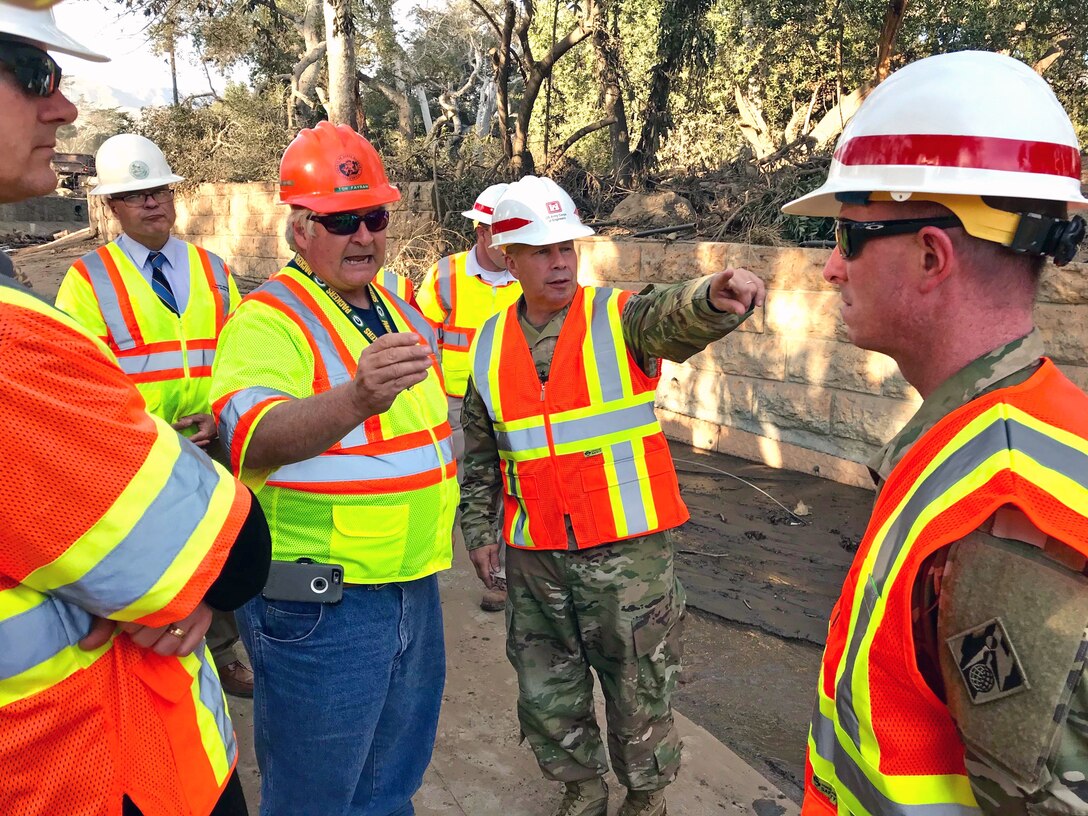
column 616, row 609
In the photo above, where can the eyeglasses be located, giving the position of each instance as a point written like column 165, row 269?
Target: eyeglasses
column 160, row 196
column 850, row 236
column 347, row 223
column 34, row 70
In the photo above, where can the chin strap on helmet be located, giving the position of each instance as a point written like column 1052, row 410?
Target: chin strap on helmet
column 1045, row 235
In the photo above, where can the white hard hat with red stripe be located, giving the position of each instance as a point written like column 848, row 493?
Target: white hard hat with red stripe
column 535, row 211
column 484, row 207
column 969, row 123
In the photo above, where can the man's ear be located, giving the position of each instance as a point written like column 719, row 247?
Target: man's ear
column 302, row 238
column 937, row 259
column 510, row 257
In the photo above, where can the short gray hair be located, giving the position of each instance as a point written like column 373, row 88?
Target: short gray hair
column 300, row 217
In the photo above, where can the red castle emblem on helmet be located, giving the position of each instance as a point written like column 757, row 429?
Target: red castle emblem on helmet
column 554, row 207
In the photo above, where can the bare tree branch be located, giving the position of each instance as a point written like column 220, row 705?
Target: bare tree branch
column 582, row 132
column 494, row 23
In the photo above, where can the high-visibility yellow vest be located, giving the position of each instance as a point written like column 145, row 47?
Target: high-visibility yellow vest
column 168, row 356
column 381, row 501
column 399, row 285
column 115, row 516
column 458, row 304
column 587, row 443
column 881, row 742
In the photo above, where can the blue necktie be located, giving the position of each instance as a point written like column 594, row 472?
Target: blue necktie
column 160, row 284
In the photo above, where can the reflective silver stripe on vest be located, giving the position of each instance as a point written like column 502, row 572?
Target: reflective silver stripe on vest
column 334, row 366
column 853, row 778
column 485, row 345
column 222, row 280
column 237, row 406
column 607, row 422
column 211, row 695
column 604, row 346
column 418, row 323
column 165, row 361
column 37, row 634
column 108, row 300
column 333, row 468
column 132, row 568
column 521, row 439
column 627, row 480
column 455, row 338
column 517, row 533
column 1001, row 435
column 390, row 281
column 445, row 286
column 582, row 430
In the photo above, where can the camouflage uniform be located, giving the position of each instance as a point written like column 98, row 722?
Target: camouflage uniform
column 1059, row 783
column 615, row 608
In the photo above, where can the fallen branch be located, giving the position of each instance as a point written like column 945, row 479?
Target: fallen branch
column 659, row 230
column 60, row 243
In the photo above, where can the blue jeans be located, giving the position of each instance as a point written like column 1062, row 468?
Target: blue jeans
column 346, row 698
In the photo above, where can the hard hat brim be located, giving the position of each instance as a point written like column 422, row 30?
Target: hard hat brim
column 327, row 203
column 476, row 215
column 822, row 202
column 43, row 32
column 133, row 186
column 553, row 235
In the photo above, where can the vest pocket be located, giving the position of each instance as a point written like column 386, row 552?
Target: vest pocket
column 367, row 527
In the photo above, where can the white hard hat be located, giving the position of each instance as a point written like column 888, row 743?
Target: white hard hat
column 40, row 27
column 484, row 207
column 970, row 123
column 127, row 162
column 535, row 211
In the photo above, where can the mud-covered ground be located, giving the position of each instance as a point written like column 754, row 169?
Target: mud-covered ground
column 760, row 585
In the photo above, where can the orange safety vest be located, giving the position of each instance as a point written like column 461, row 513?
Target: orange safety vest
column 168, row 356
column 881, row 743
column 118, row 517
column 587, row 443
column 458, row 304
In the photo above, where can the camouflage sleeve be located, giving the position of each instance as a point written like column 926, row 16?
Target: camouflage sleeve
column 481, row 480
column 674, row 321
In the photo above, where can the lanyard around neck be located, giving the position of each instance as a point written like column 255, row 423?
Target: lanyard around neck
column 371, row 323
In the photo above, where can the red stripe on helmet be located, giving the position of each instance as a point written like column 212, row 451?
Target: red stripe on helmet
column 975, row 152
column 508, row 224
column 483, row 208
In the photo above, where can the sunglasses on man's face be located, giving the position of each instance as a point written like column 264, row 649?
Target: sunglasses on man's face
column 34, row 71
column 850, row 236
column 347, row 223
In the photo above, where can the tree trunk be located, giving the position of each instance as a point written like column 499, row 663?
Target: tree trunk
column 342, row 105
column 893, row 20
column 308, row 69
column 753, row 126
column 609, row 71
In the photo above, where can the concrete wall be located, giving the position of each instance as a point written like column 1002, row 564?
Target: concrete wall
column 244, row 224
column 786, row 389
column 43, row 217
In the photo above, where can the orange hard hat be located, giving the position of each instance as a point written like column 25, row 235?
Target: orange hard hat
column 331, row 168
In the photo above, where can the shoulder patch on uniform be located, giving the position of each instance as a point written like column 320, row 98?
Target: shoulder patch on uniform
column 987, row 662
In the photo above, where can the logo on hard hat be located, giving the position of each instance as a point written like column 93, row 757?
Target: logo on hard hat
column 348, row 167
column 138, row 170
column 554, row 207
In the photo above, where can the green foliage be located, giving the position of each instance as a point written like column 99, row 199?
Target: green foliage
column 237, row 138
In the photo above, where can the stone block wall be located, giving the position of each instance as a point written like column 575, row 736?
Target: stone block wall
column 42, row 217
column 244, row 223
column 786, row 389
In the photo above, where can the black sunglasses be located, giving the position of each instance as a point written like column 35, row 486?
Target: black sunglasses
column 347, row 223
column 850, row 236
column 34, row 70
